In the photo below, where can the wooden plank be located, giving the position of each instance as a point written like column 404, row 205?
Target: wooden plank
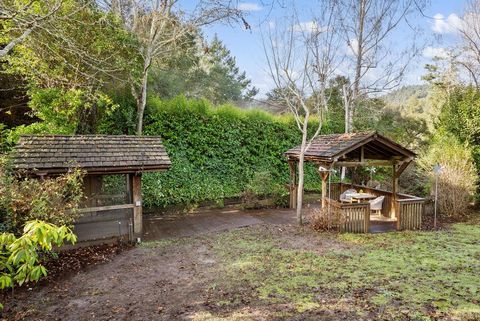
column 137, row 201
column 364, row 163
column 104, row 208
column 402, row 168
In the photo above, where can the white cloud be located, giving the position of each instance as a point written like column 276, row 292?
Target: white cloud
column 249, row 6
column 308, row 26
column 432, row 52
column 352, row 47
column 443, row 25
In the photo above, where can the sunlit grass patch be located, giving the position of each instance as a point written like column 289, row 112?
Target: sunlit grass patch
column 165, row 243
column 404, row 274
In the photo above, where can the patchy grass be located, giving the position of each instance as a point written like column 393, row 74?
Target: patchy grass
column 408, row 275
column 272, row 272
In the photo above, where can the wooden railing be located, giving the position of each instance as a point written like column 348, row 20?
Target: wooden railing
column 408, row 208
column 350, row 217
column 338, row 188
column 409, row 213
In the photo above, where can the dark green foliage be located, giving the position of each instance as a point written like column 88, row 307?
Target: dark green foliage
column 199, row 71
column 215, row 152
column 221, row 79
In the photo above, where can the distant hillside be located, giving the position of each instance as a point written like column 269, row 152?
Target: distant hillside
column 417, row 101
column 399, row 96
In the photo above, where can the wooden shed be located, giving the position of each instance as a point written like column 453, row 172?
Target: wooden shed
column 113, row 166
column 357, row 150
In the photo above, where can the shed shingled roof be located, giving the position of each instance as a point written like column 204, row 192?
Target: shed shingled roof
column 328, row 147
column 93, row 153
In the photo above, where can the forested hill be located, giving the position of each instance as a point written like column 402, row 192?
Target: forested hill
column 417, row 101
column 399, row 96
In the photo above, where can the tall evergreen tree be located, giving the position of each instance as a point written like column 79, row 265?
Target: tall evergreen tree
column 222, row 79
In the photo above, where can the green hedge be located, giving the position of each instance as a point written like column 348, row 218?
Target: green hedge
column 216, row 151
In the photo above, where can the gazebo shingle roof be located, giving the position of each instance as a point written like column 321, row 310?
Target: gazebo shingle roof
column 329, row 147
column 93, row 153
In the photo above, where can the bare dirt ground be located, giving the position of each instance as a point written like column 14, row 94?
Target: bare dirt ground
column 170, row 280
column 271, row 270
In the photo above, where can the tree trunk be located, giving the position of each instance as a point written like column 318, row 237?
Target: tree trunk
column 300, row 188
column 301, row 162
column 358, row 66
column 142, row 100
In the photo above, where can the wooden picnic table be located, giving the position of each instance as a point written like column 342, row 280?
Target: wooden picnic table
column 359, row 197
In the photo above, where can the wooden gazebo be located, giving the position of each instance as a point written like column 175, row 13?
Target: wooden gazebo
column 113, row 166
column 354, row 150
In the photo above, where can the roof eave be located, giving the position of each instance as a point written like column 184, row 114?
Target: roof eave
column 95, row 170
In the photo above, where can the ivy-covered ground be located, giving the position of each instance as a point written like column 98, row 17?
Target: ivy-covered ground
column 273, row 272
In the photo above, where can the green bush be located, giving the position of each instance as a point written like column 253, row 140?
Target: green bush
column 261, row 186
column 215, row 151
column 53, row 200
column 458, row 177
column 21, row 257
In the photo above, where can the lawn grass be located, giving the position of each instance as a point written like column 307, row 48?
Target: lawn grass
column 391, row 276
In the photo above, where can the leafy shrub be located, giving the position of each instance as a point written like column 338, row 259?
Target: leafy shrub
column 20, row 257
column 262, row 185
column 53, row 200
column 215, row 151
column 457, row 180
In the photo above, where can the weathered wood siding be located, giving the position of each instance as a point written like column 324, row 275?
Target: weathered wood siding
column 106, row 214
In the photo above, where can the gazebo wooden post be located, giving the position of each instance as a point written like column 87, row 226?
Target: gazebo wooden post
column 395, row 175
column 137, row 202
column 293, row 184
column 324, row 187
column 397, row 171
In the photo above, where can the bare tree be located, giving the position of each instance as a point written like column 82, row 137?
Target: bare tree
column 468, row 55
column 161, row 26
column 301, row 60
column 377, row 60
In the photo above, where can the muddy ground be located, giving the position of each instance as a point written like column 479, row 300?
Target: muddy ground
column 149, row 282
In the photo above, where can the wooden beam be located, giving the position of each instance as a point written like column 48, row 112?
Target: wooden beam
column 374, row 149
column 353, row 147
column 402, row 168
column 364, row 163
column 324, row 176
column 104, row 208
column 137, row 202
column 394, row 191
column 392, row 145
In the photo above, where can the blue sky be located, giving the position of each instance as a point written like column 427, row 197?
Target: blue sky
column 246, row 45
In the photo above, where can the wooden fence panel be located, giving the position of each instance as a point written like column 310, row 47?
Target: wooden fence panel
column 355, row 218
column 335, row 191
column 410, row 213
